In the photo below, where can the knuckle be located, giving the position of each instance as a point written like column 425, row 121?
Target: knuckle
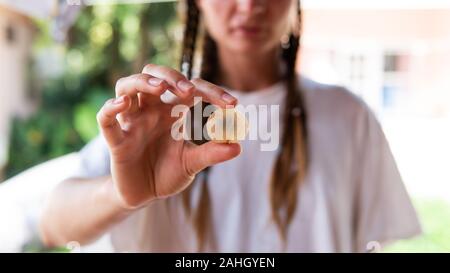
column 101, row 113
column 196, row 81
column 119, row 84
column 141, row 79
column 99, row 117
column 107, row 103
column 148, row 67
column 176, row 75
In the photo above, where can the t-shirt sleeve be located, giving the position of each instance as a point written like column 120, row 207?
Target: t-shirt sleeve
column 94, row 159
column 384, row 209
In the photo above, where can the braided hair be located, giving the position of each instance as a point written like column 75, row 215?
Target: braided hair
column 291, row 163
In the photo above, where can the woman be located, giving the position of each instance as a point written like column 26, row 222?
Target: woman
column 331, row 186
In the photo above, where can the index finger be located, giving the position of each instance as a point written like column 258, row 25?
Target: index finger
column 213, row 94
column 177, row 82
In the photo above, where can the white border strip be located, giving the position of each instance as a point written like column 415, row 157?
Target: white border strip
column 378, row 4
column 312, row 4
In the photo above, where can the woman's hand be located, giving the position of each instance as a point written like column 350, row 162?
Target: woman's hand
column 146, row 162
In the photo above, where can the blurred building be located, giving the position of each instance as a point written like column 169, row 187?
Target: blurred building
column 17, row 30
column 16, row 36
column 395, row 56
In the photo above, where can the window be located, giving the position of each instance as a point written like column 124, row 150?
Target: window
column 357, row 75
column 395, row 67
column 10, row 34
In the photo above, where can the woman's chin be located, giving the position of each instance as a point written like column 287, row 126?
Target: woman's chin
column 248, row 47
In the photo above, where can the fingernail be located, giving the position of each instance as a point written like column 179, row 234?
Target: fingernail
column 185, row 85
column 228, row 98
column 119, row 100
column 155, row 81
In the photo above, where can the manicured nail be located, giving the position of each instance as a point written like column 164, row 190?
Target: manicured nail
column 155, row 81
column 228, row 98
column 185, row 85
column 119, row 100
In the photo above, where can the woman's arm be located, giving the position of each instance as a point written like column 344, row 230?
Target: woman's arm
column 80, row 210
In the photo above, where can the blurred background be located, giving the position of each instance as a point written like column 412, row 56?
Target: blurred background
column 59, row 61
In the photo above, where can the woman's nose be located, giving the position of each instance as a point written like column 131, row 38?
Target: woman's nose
column 251, row 6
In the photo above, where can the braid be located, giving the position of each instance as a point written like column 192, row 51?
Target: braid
column 209, row 59
column 190, row 38
column 291, row 164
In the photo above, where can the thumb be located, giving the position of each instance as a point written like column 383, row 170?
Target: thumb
column 199, row 157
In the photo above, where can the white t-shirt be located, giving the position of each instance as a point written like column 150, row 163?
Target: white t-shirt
column 353, row 193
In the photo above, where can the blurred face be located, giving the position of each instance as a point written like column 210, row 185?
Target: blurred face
column 247, row 26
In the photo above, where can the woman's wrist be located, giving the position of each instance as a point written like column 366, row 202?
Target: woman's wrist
column 109, row 191
column 118, row 203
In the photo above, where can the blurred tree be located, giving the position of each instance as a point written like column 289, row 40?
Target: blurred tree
column 106, row 42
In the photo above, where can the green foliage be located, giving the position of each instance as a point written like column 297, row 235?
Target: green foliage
column 106, row 42
column 435, row 218
column 84, row 118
